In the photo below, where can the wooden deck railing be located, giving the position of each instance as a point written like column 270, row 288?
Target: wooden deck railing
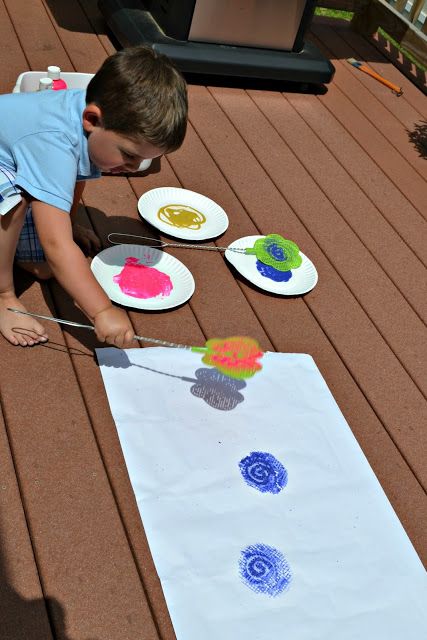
column 404, row 20
column 414, row 10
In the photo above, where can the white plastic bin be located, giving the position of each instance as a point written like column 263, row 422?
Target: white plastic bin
column 29, row 81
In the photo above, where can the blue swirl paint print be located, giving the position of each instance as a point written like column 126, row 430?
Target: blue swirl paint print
column 264, row 472
column 264, row 569
column 276, row 252
column 268, row 271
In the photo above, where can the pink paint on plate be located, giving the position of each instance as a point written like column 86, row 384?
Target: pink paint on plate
column 139, row 281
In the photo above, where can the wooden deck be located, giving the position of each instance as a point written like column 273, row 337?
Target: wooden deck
column 344, row 175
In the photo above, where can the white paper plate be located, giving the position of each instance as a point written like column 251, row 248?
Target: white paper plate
column 303, row 279
column 212, row 224
column 111, row 261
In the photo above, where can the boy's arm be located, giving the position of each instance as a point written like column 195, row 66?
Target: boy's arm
column 72, row 271
column 85, row 238
column 78, row 192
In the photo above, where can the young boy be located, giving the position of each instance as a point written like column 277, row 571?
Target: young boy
column 51, row 142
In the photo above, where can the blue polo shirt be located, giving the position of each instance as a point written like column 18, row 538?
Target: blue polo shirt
column 42, row 141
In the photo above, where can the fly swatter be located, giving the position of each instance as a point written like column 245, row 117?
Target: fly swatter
column 237, row 357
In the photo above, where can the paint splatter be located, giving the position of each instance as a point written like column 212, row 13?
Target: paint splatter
column 264, row 472
column 181, row 216
column 264, row 569
column 140, row 281
column 272, row 273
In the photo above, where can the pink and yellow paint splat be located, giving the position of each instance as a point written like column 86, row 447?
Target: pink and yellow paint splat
column 237, row 357
column 141, row 281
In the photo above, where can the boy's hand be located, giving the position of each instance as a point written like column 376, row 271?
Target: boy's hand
column 87, row 240
column 112, row 325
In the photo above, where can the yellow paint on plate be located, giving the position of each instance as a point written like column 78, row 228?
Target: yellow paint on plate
column 181, row 216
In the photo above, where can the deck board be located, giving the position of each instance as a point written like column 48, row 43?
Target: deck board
column 21, row 595
column 365, row 50
column 402, row 216
column 368, row 134
column 337, row 173
column 384, row 244
column 77, row 36
column 377, row 102
column 12, row 55
column 37, row 35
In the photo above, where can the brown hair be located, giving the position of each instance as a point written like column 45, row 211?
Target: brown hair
column 141, row 94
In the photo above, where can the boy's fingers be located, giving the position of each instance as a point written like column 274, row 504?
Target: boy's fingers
column 100, row 337
column 129, row 341
column 122, row 340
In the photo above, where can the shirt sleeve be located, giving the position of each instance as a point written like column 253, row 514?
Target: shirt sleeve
column 46, row 167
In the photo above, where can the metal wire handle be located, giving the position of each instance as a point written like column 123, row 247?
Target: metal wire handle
column 163, row 343
column 181, row 245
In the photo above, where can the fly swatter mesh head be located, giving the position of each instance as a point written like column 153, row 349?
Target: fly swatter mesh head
column 277, row 252
column 236, row 357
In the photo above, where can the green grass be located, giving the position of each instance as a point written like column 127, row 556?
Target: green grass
column 347, row 15
column 333, row 13
column 407, row 54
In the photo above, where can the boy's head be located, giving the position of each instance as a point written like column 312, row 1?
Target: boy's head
column 141, row 97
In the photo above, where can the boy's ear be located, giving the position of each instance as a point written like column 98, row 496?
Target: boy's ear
column 92, row 117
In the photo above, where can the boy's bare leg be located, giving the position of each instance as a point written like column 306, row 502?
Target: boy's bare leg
column 19, row 330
